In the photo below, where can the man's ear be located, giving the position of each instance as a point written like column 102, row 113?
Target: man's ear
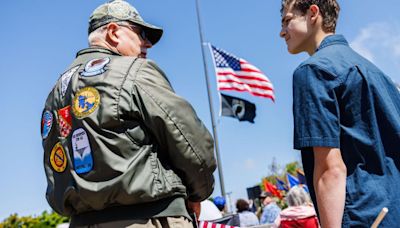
column 112, row 36
column 314, row 13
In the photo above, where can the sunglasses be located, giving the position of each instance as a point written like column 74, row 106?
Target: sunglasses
column 136, row 29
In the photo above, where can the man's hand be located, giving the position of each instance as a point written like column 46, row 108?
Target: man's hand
column 194, row 207
column 330, row 185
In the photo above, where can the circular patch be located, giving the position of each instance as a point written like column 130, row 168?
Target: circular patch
column 85, row 102
column 47, row 123
column 95, row 67
column 58, row 159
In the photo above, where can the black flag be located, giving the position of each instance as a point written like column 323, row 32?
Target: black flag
column 238, row 108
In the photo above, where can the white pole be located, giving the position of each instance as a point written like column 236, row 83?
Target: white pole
column 214, row 128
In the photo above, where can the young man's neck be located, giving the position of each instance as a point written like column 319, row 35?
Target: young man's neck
column 318, row 38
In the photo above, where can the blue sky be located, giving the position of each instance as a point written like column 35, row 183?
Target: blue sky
column 39, row 39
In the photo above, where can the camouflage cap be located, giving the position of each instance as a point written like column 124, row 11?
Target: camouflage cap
column 119, row 10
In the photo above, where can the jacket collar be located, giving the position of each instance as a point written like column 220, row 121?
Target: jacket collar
column 96, row 49
column 331, row 40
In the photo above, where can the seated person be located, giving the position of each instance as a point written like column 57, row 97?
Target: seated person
column 246, row 217
column 271, row 210
column 300, row 212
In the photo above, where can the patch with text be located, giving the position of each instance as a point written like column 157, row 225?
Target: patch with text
column 83, row 160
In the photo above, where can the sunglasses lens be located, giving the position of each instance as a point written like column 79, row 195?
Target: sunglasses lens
column 144, row 35
column 135, row 28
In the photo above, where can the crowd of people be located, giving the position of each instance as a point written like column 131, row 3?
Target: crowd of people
column 297, row 211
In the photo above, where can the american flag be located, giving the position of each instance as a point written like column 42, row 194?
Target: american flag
column 237, row 74
column 204, row 224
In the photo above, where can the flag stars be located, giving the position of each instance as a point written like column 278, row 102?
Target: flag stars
column 224, row 59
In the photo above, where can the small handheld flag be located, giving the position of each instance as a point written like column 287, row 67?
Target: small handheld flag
column 292, row 180
column 206, row 224
column 281, row 185
column 272, row 189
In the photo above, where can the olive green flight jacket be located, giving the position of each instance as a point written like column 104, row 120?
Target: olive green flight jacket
column 115, row 134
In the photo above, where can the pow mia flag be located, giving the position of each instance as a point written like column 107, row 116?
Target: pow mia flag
column 237, row 108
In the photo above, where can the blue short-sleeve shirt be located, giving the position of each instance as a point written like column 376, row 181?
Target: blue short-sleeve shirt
column 341, row 100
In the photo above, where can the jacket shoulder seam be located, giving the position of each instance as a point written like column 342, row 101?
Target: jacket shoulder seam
column 123, row 82
column 175, row 124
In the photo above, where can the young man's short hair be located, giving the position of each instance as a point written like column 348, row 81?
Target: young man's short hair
column 329, row 10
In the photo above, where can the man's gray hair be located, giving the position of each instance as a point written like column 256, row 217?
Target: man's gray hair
column 297, row 196
column 96, row 35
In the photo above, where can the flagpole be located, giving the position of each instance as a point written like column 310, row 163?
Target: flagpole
column 221, row 178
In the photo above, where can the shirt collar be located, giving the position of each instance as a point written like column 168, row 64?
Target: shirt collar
column 96, row 49
column 331, row 40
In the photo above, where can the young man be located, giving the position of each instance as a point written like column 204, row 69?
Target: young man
column 346, row 120
column 120, row 147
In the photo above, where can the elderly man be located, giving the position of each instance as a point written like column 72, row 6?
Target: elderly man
column 121, row 149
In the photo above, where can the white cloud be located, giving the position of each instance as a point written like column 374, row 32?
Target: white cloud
column 359, row 44
column 249, row 164
column 380, row 43
column 363, row 51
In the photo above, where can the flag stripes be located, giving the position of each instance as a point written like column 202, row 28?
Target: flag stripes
column 260, row 86
column 253, row 82
column 205, row 224
column 237, row 76
column 243, row 88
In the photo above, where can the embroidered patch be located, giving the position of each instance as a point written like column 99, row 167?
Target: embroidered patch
column 65, row 78
column 47, row 123
column 85, row 102
column 65, row 121
column 58, row 159
column 95, row 67
column 83, row 160
column 120, row 9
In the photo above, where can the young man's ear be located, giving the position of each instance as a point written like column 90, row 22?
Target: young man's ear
column 112, row 35
column 314, row 13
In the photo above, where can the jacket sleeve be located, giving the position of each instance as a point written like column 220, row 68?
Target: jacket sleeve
column 177, row 130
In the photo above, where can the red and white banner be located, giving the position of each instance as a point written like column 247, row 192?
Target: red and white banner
column 205, row 224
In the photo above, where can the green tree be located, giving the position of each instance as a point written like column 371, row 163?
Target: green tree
column 42, row 221
column 292, row 167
